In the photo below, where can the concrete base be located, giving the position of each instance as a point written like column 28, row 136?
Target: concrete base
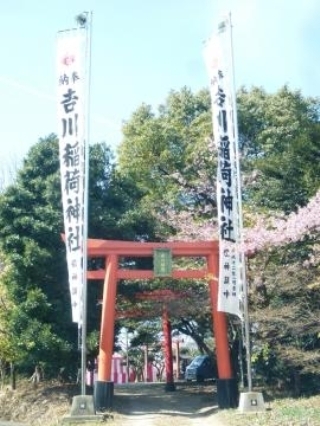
column 82, row 405
column 84, row 419
column 251, row 402
column 82, row 410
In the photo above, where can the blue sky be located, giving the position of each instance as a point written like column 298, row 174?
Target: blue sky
column 140, row 51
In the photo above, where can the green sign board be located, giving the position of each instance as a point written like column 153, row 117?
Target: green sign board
column 162, row 262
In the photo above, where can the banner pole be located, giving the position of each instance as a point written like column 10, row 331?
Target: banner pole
column 245, row 320
column 88, row 28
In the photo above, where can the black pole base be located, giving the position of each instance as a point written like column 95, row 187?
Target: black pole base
column 170, row 387
column 228, row 394
column 103, row 395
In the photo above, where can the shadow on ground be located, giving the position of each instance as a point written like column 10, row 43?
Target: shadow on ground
column 188, row 400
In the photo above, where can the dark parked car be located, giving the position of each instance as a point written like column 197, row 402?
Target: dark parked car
column 201, row 368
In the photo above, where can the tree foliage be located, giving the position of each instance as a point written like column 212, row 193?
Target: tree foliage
column 36, row 281
column 163, row 186
column 279, row 141
column 279, row 146
column 167, row 152
column 31, row 222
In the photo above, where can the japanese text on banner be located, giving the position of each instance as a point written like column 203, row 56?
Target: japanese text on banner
column 229, row 292
column 70, row 60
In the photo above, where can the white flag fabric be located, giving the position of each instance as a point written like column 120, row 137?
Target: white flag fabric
column 230, row 263
column 71, row 133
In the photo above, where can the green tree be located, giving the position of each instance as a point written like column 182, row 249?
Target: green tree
column 279, row 141
column 279, row 145
column 284, row 296
column 31, row 224
column 166, row 153
column 8, row 350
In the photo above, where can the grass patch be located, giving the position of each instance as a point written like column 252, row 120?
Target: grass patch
column 47, row 404
column 284, row 412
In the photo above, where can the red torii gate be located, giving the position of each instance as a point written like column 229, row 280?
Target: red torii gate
column 165, row 297
column 111, row 250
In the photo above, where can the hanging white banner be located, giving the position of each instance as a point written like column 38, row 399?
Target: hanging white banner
column 71, row 134
column 230, row 264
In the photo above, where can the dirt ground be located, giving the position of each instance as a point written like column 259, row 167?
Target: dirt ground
column 43, row 405
column 150, row 405
column 136, row 404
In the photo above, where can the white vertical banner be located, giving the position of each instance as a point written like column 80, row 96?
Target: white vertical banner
column 218, row 61
column 71, row 134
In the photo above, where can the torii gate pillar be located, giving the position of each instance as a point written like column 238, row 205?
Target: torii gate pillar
column 166, row 324
column 227, row 386
column 104, row 386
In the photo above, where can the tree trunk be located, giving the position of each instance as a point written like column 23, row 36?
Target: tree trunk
column 12, row 376
column 296, row 382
